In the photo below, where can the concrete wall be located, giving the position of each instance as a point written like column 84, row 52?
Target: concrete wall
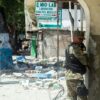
column 30, row 2
column 94, row 82
column 94, row 8
column 94, row 47
column 50, row 43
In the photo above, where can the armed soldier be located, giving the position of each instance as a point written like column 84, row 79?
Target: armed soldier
column 76, row 63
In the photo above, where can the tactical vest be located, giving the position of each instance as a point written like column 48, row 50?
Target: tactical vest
column 72, row 62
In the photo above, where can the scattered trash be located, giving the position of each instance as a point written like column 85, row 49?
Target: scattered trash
column 41, row 75
column 17, row 74
column 20, row 58
column 60, row 93
column 21, row 63
column 52, row 73
column 20, row 67
column 38, row 68
column 62, row 78
column 25, row 83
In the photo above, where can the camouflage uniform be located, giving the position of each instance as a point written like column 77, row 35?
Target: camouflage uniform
column 73, row 79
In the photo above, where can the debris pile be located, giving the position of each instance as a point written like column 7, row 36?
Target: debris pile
column 44, row 74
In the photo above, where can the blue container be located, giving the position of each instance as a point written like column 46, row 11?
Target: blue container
column 6, row 61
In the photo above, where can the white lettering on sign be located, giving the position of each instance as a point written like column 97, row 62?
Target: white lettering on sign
column 45, row 4
column 44, row 9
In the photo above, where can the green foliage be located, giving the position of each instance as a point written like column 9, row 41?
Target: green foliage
column 14, row 10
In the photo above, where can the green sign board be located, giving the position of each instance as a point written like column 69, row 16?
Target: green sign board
column 47, row 15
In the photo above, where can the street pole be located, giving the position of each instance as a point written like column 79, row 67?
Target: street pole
column 71, row 26
column 75, row 16
column 42, row 44
column 81, row 19
column 25, row 11
column 57, row 32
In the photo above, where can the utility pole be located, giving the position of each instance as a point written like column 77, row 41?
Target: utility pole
column 57, row 30
column 25, row 16
column 81, row 19
column 71, row 23
column 28, row 20
column 75, row 16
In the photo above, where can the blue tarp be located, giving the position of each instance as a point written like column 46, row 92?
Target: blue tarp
column 45, row 75
column 20, row 58
column 6, row 61
column 42, row 75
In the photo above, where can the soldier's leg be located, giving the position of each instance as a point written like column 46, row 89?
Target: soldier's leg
column 82, row 97
column 71, row 86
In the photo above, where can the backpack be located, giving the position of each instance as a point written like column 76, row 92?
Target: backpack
column 73, row 63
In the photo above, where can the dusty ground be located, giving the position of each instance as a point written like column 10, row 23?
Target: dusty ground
column 17, row 92
column 14, row 90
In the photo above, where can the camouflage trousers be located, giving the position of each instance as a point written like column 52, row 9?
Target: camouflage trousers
column 72, row 90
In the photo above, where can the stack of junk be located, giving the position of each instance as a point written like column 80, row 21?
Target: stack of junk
column 6, row 61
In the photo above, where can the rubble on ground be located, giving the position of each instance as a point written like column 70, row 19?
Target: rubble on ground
column 40, row 73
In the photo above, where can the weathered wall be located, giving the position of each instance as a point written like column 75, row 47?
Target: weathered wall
column 94, row 7
column 30, row 2
column 94, row 48
column 50, row 43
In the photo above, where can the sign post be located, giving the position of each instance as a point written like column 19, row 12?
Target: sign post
column 49, row 16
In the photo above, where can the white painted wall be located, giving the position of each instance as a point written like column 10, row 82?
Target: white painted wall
column 66, row 21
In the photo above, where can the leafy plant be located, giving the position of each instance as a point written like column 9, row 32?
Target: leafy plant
column 14, row 11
